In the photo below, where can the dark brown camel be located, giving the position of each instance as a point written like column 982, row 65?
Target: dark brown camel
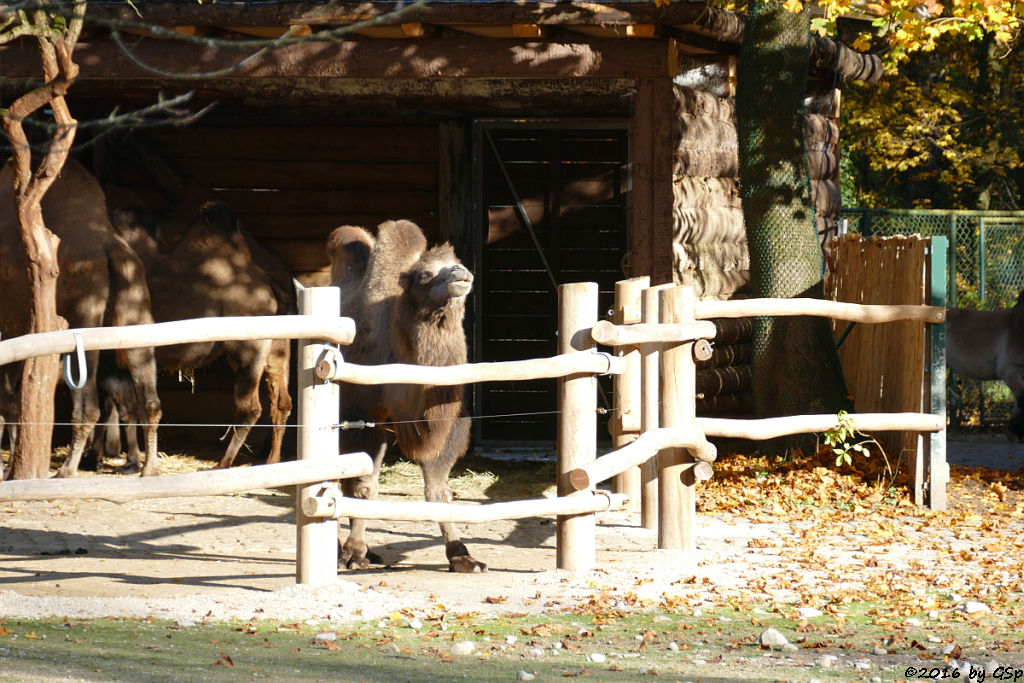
column 209, row 269
column 409, row 304
column 101, row 282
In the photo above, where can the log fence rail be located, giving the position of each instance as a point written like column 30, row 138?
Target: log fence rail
column 661, row 448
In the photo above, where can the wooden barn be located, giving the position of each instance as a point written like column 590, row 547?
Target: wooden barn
column 551, row 142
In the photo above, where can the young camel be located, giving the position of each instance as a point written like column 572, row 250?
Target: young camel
column 409, row 304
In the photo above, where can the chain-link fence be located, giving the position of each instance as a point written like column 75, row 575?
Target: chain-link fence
column 986, row 267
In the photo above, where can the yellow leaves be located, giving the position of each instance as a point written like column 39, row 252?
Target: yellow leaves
column 794, row 6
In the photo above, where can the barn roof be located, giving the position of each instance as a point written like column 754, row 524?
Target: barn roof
column 441, row 39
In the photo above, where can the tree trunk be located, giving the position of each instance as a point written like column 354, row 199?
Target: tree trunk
column 795, row 366
column 31, row 456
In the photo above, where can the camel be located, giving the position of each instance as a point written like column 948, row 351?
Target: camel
column 212, row 267
column 408, row 303
column 101, row 282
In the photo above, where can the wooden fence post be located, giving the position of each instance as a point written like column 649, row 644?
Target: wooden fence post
column 676, row 483
column 577, row 423
column 625, row 423
column 319, row 406
column 649, row 414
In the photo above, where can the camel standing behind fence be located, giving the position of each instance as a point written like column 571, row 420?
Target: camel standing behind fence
column 102, row 282
column 208, row 269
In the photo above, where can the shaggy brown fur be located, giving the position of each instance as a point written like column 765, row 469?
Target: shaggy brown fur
column 101, row 282
column 210, row 269
column 409, row 304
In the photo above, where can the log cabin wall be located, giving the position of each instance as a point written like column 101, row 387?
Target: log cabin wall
column 709, row 244
column 291, row 185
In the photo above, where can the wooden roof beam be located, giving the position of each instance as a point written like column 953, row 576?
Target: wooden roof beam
column 502, row 31
column 271, row 32
column 410, row 29
column 456, row 57
column 616, row 30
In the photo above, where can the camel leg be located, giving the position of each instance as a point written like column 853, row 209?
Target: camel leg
column 85, row 412
column 142, row 407
column 353, row 553
column 276, row 374
column 248, row 362
column 437, row 490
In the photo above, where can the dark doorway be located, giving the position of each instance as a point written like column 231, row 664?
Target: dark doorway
column 552, row 209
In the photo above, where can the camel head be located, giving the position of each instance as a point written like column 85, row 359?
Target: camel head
column 437, row 280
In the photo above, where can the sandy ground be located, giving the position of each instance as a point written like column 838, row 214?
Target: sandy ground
column 234, row 557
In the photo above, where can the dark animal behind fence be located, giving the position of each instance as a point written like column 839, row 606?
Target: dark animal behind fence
column 409, row 303
column 989, row 345
column 101, row 282
column 209, row 268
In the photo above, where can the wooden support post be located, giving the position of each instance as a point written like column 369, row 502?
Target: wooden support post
column 652, row 223
column 625, row 422
column 577, row 423
column 677, row 509
column 319, row 407
column 649, row 416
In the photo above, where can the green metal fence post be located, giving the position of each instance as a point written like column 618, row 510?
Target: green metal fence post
column 938, row 468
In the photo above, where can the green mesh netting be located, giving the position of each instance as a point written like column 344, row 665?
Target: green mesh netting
column 795, row 367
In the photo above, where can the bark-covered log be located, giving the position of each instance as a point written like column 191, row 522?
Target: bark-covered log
column 726, row 404
column 733, row 330
column 702, row 131
column 829, row 56
column 700, row 103
column 732, row 379
column 826, row 196
column 694, row 226
column 717, row 162
column 820, row 132
column 698, row 192
column 731, row 354
column 822, row 164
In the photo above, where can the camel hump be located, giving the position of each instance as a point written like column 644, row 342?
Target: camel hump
column 403, row 239
column 349, row 248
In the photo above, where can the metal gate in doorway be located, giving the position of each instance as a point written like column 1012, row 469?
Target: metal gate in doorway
column 551, row 208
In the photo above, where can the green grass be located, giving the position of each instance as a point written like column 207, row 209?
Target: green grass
column 717, row 644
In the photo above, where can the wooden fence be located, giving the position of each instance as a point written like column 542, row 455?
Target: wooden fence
column 656, row 355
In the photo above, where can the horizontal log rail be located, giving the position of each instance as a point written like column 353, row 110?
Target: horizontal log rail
column 413, row 511
column 642, row 449
column 610, row 334
column 207, row 483
column 860, row 313
column 772, row 427
column 334, row 331
column 333, row 368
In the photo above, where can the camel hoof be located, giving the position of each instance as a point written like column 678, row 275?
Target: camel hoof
column 128, row 468
column 465, row 564
column 356, row 563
